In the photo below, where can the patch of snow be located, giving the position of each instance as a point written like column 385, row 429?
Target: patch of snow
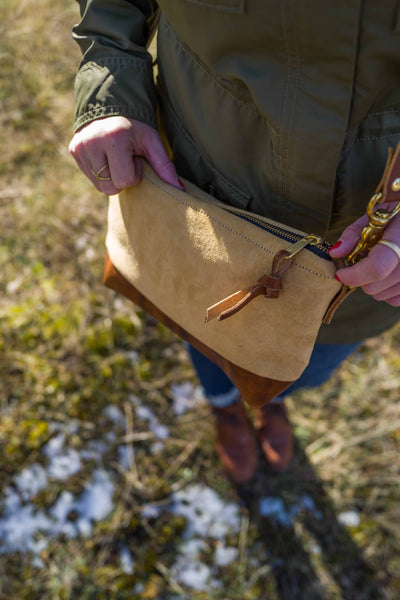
column 206, row 513
column 96, row 501
column 350, row 518
column 151, row 511
column 21, row 524
column 31, row 480
column 187, row 569
column 55, row 445
column 124, row 456
column 185, row 396
column 94, row 450
column 143, row 412
column 195, row 575
column 224, row 555
column 62, row 462
column 126, row 560
column 60, row 512
column 115, row 415
column 64, row 465
column 157, row 447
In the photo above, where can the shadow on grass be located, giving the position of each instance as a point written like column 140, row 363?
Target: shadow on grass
column 337, row 569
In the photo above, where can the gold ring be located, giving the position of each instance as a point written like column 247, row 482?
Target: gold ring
column 392, row 246
column 97, row 173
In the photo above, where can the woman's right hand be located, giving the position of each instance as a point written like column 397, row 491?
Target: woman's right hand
column 111, row 146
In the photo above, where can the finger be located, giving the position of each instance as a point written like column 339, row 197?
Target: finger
column 155, row 153
column 100, row 173
column 378, row 287
column 124, row 169
column 83, row 161
column 349, row 238
column 386, row 294
column 352, row 234
column 376, row 267
column 138, row 169
column 394, row 301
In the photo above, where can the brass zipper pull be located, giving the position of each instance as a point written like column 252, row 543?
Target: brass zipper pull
column 308, row 240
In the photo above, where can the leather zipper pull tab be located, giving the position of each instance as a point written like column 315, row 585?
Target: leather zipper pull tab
column 268, row 285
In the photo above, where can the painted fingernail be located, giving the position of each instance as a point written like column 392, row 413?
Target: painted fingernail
column 339, row 243
column 181, row 184
column 337, row 279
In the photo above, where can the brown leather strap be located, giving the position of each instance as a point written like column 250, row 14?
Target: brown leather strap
column 336, row 302
column 390, row 192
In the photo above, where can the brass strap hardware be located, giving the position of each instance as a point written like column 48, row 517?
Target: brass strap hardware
column 373, row 232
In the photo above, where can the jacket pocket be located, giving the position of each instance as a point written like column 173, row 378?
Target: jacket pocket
column 232, row 6
column 192, row 164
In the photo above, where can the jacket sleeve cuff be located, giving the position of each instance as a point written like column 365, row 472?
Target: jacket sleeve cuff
column 115, row 85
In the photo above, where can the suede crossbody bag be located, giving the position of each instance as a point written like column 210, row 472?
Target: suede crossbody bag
column 248, row 292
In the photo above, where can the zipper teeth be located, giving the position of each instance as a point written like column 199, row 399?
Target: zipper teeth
column 288, row 235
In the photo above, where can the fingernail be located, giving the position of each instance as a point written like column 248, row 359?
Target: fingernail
column 337, row 279
column 181, row 184
column 339, row 243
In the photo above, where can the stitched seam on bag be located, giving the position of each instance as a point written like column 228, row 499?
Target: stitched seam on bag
column 218, row 222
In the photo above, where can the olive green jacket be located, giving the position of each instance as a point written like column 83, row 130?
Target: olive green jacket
column 283, row 108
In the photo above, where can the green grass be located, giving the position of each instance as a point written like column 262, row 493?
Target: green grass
column 65, row 357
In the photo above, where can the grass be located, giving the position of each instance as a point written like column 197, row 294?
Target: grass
column 66, row 356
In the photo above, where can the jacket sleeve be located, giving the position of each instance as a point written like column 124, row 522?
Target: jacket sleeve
column 115, row 76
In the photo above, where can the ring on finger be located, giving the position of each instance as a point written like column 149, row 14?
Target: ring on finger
column 97, row 173
column 392, row 246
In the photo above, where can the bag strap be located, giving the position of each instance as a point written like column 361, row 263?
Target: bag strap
column 153, row 26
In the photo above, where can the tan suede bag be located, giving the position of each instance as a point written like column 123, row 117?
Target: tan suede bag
column 246, row 291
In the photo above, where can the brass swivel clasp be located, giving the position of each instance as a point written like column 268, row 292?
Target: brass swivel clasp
column 373, row 232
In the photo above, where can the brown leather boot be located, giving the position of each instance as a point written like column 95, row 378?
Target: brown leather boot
column 275, row 435
column 235, row 442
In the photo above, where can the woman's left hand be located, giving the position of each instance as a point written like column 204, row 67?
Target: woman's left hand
column 378, row 274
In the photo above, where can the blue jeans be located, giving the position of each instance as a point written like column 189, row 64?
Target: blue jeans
column 220, row 391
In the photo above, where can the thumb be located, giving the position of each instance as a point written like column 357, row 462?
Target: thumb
column 157, row 156
column 349, row 238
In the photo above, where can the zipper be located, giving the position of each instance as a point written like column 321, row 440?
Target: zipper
column 314, row 243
